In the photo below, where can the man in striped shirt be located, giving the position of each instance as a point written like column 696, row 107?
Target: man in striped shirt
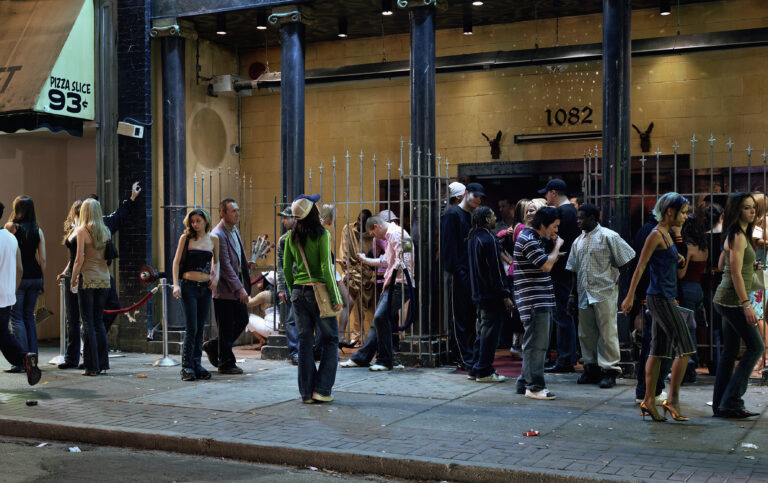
column 535, row 297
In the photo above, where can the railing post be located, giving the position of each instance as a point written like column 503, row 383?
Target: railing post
column 59, row 359
column 166, row 360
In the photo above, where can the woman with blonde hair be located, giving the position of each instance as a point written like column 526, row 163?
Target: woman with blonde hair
column 195, row 273
column 72, row 353
column 23, row 225
column 90, row 281
column 328, row 219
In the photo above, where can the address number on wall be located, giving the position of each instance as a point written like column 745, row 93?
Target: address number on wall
column 573, row 116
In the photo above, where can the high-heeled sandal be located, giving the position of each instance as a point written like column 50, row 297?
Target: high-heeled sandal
column 645, row 411
column 673, row 412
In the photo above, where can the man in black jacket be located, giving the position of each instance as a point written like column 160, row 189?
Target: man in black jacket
column 454, row 229
column 490, row 292
column 565, row 327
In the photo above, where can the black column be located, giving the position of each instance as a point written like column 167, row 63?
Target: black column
column 174, row 157
column 425, row 215
column 617, row 50
column 292, row 110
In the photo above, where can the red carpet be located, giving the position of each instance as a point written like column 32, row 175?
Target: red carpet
column 504, row 363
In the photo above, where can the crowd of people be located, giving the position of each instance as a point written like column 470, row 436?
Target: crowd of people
column 544, row 268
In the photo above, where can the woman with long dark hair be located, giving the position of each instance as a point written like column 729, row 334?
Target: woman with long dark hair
column 23, row 224
column 309, row 246
column 90, row 281
column 689, row 281
column 195, row 273
column 732, row 302
column 72, row 353
column 670, row 336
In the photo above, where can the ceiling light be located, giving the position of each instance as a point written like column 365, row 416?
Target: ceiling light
column 386, row 7
column 477, row 3
column 221, row 24
column 467, row 24
column 665, row 7
column 261, row 21
column 342, row 27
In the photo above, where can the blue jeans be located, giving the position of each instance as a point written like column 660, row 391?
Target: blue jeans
column 9, row 346
column 95, row 352
column 535, row 346
column 23, row 313
column 488, row 327
column 196, row 297
column 564, row 324
column 289, row 325
column 315, row 379
column 730, row 385
column 72, row 353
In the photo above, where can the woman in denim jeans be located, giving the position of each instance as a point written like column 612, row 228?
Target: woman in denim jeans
column 23, row 224
column 309, row 236
column 192, row 264
column 72, row 355
column 90, row 281
column 739, row 318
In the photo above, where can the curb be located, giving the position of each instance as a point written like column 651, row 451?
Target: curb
column 287, row 455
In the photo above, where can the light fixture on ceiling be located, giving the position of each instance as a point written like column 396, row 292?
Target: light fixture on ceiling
column 665, row 7
column 467, row 24
column 342, row 27
column 221, row 24
column 477, row 3
column 261, row 21
column 386, row 7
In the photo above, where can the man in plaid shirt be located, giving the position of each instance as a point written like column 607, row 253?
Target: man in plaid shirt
column 597, row 258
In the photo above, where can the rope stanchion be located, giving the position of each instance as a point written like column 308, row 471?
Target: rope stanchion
column 166, row 360
column 135, row 306
column 59, row 359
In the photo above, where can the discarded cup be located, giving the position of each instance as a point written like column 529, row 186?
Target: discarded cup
column 531, row 433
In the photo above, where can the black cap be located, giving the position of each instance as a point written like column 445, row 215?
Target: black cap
column 554, row 184
column 476, row 189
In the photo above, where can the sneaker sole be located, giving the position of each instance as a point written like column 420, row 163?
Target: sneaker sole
column 33, row 372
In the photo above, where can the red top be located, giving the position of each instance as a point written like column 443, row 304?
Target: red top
column 695, row 270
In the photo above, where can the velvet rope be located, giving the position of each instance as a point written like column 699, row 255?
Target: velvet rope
column 138, row 304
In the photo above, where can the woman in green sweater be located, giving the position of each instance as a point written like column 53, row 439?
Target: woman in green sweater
column 309, row 236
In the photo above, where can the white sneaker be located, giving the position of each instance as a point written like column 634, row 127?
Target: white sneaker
column 495, row 377
column 659, row 400
column 377, row 368
column 349, row 363
column 543, row 394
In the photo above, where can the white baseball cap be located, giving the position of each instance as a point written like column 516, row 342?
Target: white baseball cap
column 388, row 215
column 456, row 189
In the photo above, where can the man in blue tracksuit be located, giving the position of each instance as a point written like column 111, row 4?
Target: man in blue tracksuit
column 490, row 292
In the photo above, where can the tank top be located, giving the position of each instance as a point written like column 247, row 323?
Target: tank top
column 663, row 271
column 72, row 246
column 726, row 294
column 28, row 237
column 197, row 261
column 695, row 270
column 94, row 272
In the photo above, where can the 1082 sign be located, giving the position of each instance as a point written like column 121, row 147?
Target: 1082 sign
column 573, row 116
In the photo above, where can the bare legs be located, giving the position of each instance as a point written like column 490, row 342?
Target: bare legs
column 651, row 376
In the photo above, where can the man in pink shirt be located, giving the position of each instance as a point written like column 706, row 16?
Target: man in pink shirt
column 397, row 256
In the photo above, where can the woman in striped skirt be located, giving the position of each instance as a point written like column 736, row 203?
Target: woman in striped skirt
column 670, row 336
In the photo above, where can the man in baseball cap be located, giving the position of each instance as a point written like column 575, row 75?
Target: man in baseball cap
column 456, row 192
column 388, row 215
column 284, row 302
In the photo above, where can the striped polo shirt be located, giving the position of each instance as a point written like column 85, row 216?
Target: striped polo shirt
column 533, row 286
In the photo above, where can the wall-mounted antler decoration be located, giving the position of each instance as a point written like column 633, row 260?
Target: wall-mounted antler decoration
column 495, row 145
column 645, row 138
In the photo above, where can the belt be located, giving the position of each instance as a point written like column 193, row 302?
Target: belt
column 195, row 283
column 303, row 287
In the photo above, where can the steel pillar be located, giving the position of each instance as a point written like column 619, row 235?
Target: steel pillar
column 424, row 223
column 617, row 51
column 174, row 155
column 292, row 110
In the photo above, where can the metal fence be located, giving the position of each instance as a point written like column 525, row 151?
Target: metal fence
column 703, row 184
column 225, row 184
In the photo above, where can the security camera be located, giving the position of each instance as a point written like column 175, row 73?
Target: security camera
column 128, row 129
column 234, row 149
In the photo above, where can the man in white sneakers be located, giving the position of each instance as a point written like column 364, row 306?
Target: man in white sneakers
column 10, row 278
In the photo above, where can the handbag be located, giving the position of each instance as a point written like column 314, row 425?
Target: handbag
column 322, row 297
column 42, row 313
column 758, row 280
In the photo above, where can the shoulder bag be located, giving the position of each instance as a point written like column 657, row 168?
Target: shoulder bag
column 322, row 297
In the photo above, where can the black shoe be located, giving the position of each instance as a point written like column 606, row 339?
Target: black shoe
column 202, row 374
column 81, row 366
column 230, row 370
column 33, row 372
column 591, row 375
column 15, row 370
column 188, row 374
column 67, row 365
column 558, row 369
column 608, row 381
column 90, row 373
column 211, row 348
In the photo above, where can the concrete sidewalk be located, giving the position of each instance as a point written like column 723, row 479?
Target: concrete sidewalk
column 413, row 423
